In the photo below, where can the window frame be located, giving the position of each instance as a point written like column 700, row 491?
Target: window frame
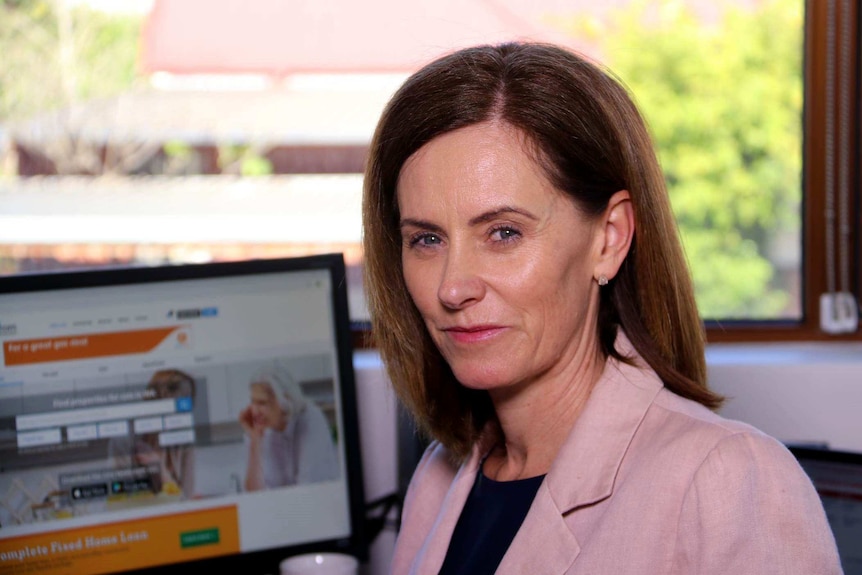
column 814, row 228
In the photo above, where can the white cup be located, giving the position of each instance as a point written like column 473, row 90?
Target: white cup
column 320, row 564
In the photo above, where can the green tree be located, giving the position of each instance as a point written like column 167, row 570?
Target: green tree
column 54, row 55
column 722, row 93
column 29, row 78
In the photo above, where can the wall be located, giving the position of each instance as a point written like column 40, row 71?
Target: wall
column 796, row 392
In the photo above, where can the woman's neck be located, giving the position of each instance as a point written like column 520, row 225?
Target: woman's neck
column 537, row 418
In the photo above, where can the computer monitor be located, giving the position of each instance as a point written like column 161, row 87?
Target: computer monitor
column 177, row 418
column 837, row 477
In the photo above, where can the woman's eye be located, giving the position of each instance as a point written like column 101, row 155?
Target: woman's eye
column 425, row 239
column 505, row 234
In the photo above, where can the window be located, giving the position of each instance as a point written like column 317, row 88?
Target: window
column 245, row 136
column 830, row 139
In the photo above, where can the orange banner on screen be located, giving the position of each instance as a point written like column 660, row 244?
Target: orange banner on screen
column 84, row 346
column 125, row 545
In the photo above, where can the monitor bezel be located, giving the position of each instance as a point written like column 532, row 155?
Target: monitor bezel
column 262, row 561
column 813, row 453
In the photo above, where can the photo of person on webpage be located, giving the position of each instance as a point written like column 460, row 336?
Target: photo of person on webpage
column 288, row 438
column 176, row 462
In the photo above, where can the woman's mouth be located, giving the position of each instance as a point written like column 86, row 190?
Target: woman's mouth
column 473, row 333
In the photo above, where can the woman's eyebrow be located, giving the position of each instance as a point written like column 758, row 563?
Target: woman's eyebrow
column 482, row 218
column 423, row 224
column 494, row 214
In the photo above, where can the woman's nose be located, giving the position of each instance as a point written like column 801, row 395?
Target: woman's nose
column 461, row 284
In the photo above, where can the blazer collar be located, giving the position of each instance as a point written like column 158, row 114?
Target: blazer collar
column 586, row 467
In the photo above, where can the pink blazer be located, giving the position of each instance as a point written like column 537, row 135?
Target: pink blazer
column 647, row 483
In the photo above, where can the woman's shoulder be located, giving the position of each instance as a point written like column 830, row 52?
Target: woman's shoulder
column 436, row 465
column 743, row 489
column 432, row 477
column 692, row 430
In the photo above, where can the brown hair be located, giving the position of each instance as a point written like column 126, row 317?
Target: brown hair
column 591, row 141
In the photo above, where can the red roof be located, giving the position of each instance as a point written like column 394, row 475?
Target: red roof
column 279, row 37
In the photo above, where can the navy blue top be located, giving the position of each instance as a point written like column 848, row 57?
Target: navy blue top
column 493, row 513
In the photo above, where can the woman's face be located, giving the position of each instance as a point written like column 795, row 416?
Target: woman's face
column 265, row 410
column 498, row 262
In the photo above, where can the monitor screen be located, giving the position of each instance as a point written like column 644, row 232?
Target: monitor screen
column 150, row 417
column 837, row 476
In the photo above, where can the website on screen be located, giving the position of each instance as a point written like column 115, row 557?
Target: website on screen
column 191, row 418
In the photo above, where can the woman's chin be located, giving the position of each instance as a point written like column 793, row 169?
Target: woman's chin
column 480, row 379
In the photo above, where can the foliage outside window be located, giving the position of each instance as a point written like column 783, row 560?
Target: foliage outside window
column 55, row 54
column 722, row 92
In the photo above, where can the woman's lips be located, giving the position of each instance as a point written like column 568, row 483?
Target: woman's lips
column 473, row 334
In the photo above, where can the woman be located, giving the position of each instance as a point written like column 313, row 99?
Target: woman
column 289, row 440
column 532, row 303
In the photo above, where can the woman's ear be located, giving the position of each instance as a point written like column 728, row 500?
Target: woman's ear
column 617, row 230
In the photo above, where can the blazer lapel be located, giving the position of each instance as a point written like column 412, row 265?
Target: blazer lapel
column 544, row 544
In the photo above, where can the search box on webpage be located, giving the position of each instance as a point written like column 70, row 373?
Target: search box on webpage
column 95, row 414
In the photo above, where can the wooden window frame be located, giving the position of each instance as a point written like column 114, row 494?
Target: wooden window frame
column 814, row 196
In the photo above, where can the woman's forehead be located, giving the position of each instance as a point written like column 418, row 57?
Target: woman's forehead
column 474, row 170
